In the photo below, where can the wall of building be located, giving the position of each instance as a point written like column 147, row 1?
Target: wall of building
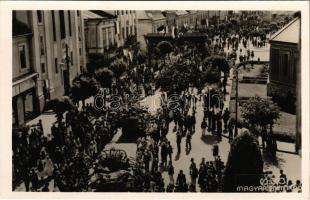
column 43, row 51
column 99, row 35
column 127, row 24
column 144, row 27
column 283, row 74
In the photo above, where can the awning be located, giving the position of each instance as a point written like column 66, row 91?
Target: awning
column 23, row 84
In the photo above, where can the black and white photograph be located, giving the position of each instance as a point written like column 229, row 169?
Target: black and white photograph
column 156, row 101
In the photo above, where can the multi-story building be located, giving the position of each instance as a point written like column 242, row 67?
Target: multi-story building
column 150, row 22
column 100, row 31
column 46, row 58
column 126, row 24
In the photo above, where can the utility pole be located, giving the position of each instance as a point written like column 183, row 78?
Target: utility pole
column 236, row 100
column 67, row 76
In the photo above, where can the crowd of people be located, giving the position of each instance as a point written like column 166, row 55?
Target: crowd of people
column 65, row 157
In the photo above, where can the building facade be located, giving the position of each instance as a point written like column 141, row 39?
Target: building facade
column 126, row 24
column 53, row 52
column 100, row 31
column 150, row 22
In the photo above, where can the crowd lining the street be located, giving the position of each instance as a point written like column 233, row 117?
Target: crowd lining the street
column 70, row 155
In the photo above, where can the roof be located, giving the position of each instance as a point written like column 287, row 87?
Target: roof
column 156, row 15
column 290, row 33
column 20, row 28
column 104, row 13
column 150, row 14
column 91, row 15
column 181, row 12
column 141, row 14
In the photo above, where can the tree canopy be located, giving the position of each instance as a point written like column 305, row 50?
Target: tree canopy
column 260, row 112
column 83, row 87
column 104, row 77
column 244, row 164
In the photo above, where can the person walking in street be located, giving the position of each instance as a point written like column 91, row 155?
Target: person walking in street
column 192, row 123
column 215, row 151
column 181, row 181
column 213, row 121
column 202, row 174
column 264, row 137
column 193, row 171
column 179, row 140
column 164, row 154
column 203, row 127
column 146, row 160
column 170, row 151
column 171, row 172
column 209, row 120
column 188, row 141
column 225, row 117
column 155, row 164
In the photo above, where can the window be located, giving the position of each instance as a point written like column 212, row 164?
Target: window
column 126, row 12
column 79, row 32
column 69, row 17
column 40, row 16
column 127, row 31
column 42, row 68
column 54, row 26
column 131, row 33
column 42, row 49
column 122, row 12
column 22, row 56
column 78, row 13
column 56, row 66
column 80, row 51
column 62, row 24
column 123, row 32
column 117, row 12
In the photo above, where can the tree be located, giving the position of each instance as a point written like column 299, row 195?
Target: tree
column 140, row 57
column 83, row 87
column 244, row 164
column 60, row 105
column 164, row 48
column 218, row 61
column 118, row 67
column 104, row 77
column 260, row 112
